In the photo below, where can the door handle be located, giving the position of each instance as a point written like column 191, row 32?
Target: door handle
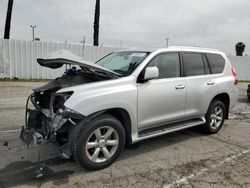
column 210, row 83
column 179, row 87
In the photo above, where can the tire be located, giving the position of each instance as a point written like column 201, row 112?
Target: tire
column 215, row 117
column 99, row 142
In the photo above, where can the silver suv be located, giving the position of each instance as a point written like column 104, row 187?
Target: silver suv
column 94, row 109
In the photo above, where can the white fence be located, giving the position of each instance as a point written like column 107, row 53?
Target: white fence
column 18, row 58
column 241, row 65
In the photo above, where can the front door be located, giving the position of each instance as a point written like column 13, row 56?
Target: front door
column 162, row 100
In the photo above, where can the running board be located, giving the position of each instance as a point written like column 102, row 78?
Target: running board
column 169, row 128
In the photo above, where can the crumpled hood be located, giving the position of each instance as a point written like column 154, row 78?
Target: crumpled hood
column 59, row 58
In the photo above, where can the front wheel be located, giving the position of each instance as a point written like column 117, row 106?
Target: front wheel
column 215, row 117
column 99, row 142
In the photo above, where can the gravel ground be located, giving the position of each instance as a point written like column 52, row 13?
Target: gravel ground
column 187, row 158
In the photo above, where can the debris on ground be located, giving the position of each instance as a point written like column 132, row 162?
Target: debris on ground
column 6, row 143
column 39, row 172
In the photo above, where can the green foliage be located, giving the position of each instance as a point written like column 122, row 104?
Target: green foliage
column 240, row 48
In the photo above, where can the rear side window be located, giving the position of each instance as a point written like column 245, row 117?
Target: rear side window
column 216, row 62
column 193, row 64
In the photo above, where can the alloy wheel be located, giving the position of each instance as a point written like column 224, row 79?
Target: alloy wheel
column 102, row 144
column 216, row 117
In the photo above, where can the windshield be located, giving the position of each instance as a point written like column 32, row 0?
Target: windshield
column 123, row 63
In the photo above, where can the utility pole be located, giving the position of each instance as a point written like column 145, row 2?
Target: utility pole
column 33, row 32
column 8, row 20
column 167, row 39
column 121, row 44
column 83, row 45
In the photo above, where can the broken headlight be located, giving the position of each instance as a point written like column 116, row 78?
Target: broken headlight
column 69, row 113
column 59, row 99
column 59, row 108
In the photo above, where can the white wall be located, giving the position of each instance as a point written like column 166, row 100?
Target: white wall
column 18, row 58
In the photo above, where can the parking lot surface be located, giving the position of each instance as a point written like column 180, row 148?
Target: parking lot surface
column 187, row 158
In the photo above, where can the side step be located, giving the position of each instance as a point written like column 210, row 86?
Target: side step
column 169, row 128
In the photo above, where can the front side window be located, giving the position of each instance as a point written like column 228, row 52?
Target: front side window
column 168, row 65
column 123, row 63
column 193, row 64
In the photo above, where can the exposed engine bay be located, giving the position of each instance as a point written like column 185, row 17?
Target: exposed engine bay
column 46, row 117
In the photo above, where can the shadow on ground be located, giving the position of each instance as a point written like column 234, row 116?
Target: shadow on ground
column 26, row 172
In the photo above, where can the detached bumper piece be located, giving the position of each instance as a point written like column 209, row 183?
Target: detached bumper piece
column 29, row 137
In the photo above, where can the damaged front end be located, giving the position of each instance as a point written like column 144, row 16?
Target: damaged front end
column 46, row 117
column 48, row 120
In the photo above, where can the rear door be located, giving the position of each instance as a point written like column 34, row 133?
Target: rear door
column 201, row 84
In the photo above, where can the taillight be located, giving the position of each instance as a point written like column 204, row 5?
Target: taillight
column 235, row 76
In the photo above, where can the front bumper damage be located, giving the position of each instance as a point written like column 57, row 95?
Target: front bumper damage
column 53, row 124
column 29, row 136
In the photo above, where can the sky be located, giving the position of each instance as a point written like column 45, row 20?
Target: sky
column 216, row 24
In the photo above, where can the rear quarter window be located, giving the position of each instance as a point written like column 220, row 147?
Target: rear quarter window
column 216, row 62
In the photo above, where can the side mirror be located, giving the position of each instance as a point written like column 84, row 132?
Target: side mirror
column 151, row 73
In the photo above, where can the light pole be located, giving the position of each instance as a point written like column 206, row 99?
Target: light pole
column 33, row 32
column 167, row 39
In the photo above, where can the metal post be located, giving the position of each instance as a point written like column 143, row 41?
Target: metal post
column 167, row 39
column 33, row 32
column 83, row 45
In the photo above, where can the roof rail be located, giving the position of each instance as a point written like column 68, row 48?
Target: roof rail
column 192, row 47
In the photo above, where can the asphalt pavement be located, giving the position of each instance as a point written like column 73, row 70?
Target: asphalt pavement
column 187, row 158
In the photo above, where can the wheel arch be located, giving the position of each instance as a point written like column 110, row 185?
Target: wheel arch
column 223, row 97
column 123, row 116
column 119, row 113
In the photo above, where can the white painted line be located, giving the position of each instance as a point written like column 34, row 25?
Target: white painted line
column 244, row 113
column 190, row 176
column 10, row 131
column 232, row 116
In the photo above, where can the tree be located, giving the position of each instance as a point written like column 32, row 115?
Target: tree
column 8, row 20
column 96, row 23
column 240, row 48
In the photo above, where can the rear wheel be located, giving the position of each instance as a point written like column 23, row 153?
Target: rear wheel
column 215, row 117
column 99, row 143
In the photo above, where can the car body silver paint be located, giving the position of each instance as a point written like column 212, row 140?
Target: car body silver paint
column 156, row 101
column 159, row 101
